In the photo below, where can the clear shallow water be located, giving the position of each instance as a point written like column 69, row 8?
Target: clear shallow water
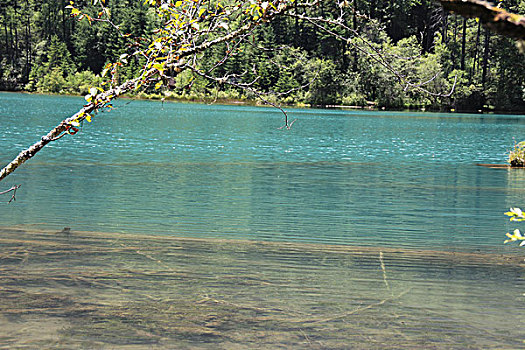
column 112, row 291
column 342, row 177
column 357, row 230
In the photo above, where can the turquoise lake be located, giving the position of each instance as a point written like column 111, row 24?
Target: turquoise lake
column 402, row 188
column 341, row 177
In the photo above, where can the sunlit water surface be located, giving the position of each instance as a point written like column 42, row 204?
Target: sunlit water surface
column 353, row 229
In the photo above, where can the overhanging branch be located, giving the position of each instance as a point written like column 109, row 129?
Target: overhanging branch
column 147, row 77
column 500, row 21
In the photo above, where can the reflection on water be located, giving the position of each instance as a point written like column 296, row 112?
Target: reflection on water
column 447, row 207
column 94, row 290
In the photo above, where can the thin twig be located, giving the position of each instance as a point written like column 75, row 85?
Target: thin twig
column 385, row 279
column 357, row 310
column 245, row 86
column 12, row 189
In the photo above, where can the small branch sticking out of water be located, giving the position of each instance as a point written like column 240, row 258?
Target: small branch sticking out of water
column 12, row 189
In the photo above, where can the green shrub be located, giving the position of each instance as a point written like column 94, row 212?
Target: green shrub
column 53, row 81
column 355, row 99
column 517, row 155
column 80, row 82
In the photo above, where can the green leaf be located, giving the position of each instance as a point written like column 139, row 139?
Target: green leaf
column 159, row 67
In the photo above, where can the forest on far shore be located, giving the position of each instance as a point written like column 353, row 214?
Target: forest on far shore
column 43, row 49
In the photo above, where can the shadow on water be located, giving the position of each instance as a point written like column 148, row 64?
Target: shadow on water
column 73, row 289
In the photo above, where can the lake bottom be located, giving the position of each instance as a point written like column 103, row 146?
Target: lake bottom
column 72, row 289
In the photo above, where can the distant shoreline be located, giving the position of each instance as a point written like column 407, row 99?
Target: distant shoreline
column 248, row 102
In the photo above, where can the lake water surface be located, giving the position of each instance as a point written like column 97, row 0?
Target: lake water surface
column 197, row 226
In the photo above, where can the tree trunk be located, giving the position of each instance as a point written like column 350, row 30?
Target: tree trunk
column 354, row 28
column 475, row 64
column 15, row 25
column 463, row 43
column 485, row 58
column 455, row 40
column 27, row 68
column 6, row 35
column 296, row 28
column 445, row 27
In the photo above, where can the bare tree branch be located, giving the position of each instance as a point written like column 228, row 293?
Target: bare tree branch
column 148, row 76
column 246, row 86
column 180, row 48
column 12, row 189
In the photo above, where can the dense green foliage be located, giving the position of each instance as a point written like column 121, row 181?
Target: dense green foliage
column 44, row 49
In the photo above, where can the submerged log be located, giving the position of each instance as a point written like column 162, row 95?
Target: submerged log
column 495, row 166
column 501, row 166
